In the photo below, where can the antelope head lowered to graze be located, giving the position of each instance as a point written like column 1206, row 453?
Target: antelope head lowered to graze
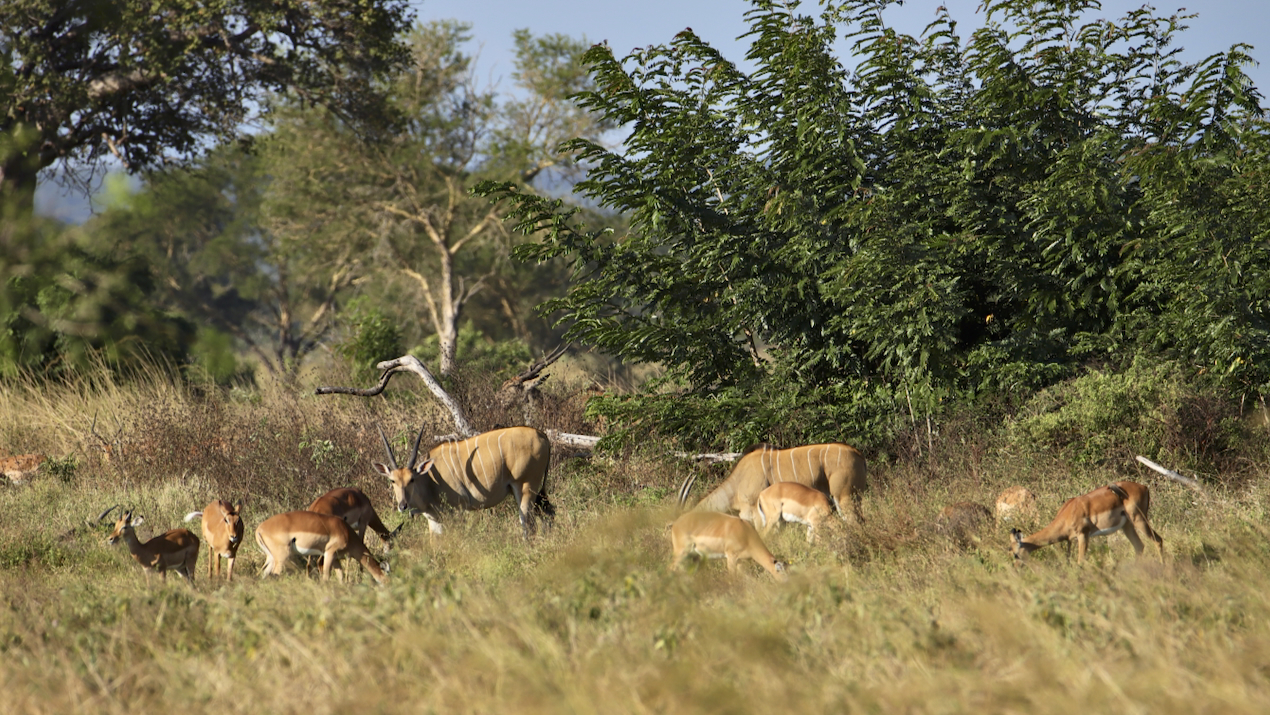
column 476, row 473
column 304, row 533
column 836, row 470
column 175, row 550
column 223, row 531
column 354, row 507
column 715, row 535
column 1105, row 510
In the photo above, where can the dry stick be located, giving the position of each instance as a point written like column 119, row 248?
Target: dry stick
column 411, row 363
column 1169, row 473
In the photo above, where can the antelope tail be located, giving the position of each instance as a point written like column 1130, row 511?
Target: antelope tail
column 542, row 504
column 762, row 517
column 193, row 515
column 1115, row 489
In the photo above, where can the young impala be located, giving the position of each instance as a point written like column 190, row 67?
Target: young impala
column 715, row 535
column 175, row 550
column 1105, row 510
column 793, row 502
column 354, row 507
column 223, row 531
column 304, row 533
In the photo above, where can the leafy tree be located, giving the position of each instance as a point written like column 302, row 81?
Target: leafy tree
column 813, row 249
column 402, row 204
column 148, row 81
column 69, row 301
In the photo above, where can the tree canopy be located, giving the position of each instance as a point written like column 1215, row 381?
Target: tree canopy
column 813, row 249
column 151, row 81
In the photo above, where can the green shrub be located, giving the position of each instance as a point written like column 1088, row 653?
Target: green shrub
column 1107, row 417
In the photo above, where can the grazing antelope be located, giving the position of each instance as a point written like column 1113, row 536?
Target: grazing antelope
column 354, row 507
column 22, row 467
column 837, row 470
column 304, row 533
column 175, row 550
column 1014, row 503
column 475, row 473
column 715, row 535
column 1105, row 510
column 794, row 502
column 223, row 531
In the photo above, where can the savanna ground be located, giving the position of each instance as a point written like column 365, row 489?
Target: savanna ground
column 889, row 617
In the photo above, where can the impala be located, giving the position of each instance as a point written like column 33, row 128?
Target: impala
column 1015, row 502
column 793, row 502
column 354, row 507
column 22, row 467
column 175, row 550
column 475, row 473
column 304, row 533
column 836, row 470
column 1105, row 510
column 714, row 535
column 223, row 531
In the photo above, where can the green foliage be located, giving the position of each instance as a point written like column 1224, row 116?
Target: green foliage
column 478, row 353
column 70, row 300
column 977, row 216
column 61, row 469
column 1109, row 417
column 147, row 83
column 374, row 338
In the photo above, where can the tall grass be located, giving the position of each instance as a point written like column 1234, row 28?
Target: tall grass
column 888, row 617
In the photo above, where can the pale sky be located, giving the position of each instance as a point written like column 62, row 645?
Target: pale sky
column 628, row 24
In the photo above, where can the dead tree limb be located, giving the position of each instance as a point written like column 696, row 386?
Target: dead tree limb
column 710, row 457
column 1170, row 474
column 410, row 363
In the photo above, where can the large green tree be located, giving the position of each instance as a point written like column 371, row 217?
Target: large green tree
column 154, row 80
column 813, row 249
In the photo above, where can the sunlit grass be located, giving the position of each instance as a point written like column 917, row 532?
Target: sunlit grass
column 588, row 617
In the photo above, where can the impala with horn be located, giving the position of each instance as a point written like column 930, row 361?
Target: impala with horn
column 475, row 473
column 836, row 470
column 1122, row 506
column 304, row 533
column 714, row 536
column 175, row 550
column 223, row 532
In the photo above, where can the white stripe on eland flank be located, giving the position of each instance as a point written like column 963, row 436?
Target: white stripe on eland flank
column 480, row 456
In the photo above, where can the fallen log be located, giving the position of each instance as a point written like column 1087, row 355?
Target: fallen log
column 1170, row 474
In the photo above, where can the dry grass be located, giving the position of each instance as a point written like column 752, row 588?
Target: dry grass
column 589, row 618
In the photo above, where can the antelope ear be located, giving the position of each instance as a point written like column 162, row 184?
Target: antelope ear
column 382, row 469
column 138, row 521
column 423, row 467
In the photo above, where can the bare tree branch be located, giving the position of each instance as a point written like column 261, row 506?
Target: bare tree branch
column 1170, row 474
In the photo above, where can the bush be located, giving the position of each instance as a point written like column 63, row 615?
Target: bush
column 1107, row 417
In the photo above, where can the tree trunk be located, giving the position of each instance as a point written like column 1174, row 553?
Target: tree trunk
column 18, row 177
column 448, row 328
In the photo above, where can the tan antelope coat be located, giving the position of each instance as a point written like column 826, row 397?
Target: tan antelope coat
column 835, row 469
column 476, row 473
